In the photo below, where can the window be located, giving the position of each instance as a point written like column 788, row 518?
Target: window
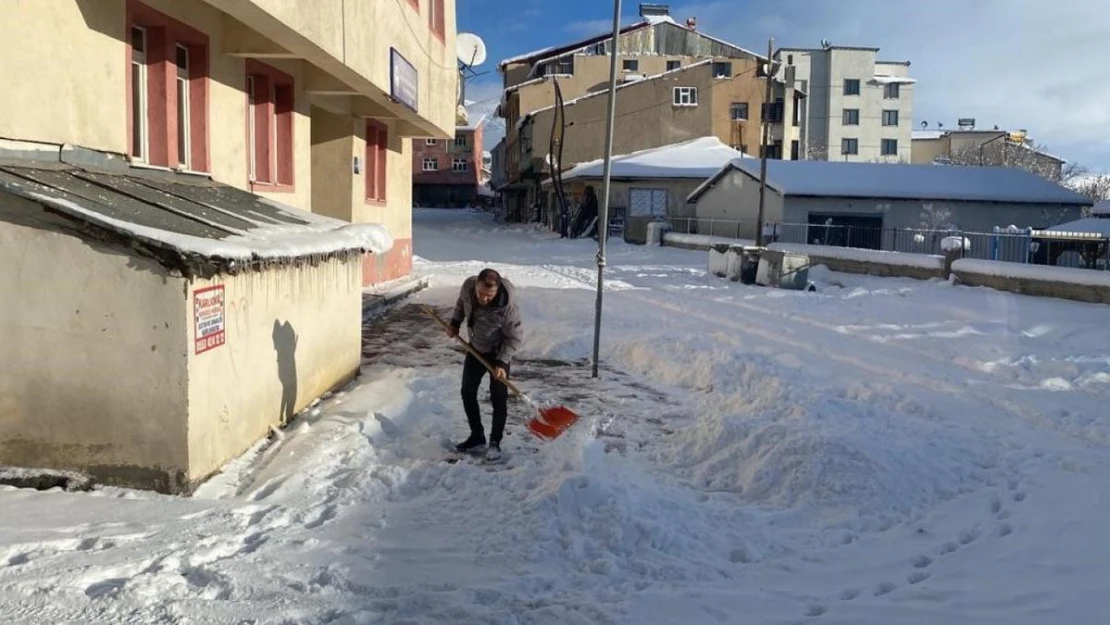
column 850, row 117
column 685, row 96
column 562, row 67
column 140, row 133
column 891, row 91
column 890, row 147
column 430, row 142
column 722, row 70
column 377, row 143
column 167, row 90
column 738, row 111
column 460, row 141
column 851, row 86
column 182, row 105
column 647, row 201
column 436, row 18
column 849, row 146
column 795, row 149
column 673, row 65
column 773, row 114
column 270, row 112
column 459, row 164
column 431, row 164
column 630, row 65
column 890, row 118
column 789, row 59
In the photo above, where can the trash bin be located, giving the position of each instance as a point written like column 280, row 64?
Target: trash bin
column 749, row 265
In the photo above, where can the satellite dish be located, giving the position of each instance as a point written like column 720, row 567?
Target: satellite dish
column 470, row 48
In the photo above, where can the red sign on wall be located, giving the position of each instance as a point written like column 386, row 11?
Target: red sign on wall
column 208, row 318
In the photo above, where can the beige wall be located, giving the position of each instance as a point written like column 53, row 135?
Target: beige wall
column 396, row 213
column 332, row 148
column 81, row 97
column 80, row 94
column 735, row 196
column 236, row 390
column 359, row 35
column 646, row 116
column 93, row 376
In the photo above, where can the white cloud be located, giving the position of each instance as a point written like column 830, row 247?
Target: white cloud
column 1015, row 63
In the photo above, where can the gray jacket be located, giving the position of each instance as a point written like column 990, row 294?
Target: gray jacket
column 494, row 329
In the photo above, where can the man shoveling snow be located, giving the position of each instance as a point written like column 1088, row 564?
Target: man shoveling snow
column 487, row 303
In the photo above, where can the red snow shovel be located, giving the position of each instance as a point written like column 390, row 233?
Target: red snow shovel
column 547, row 422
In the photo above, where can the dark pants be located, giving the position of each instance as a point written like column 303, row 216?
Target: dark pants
column 473, row 371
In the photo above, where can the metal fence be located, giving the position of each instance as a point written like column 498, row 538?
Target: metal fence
column 1019, row 246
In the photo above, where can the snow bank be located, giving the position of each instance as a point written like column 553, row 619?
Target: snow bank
column 700, row 241
column 1040, row 280
column 878, row 257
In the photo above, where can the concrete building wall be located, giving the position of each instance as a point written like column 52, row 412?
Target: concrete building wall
column 823, row 73
column 336, row 54
column 646, row 116
column 735, row 196
column 967, row 216
column 93, row 376
column 292, row 334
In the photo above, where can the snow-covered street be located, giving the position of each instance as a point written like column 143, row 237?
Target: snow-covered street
column 884, row 451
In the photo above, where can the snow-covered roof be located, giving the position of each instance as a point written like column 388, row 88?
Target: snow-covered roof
column 697, row 158
column 1102, row 208
column 887, row 79
column 1087, row 225
column 473, row 123
column 594, row 94
column 927, row 134
column 902, row 181
column 189, row 223
column 553, row 52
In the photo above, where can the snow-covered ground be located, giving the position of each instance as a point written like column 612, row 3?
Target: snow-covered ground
column 881, row 451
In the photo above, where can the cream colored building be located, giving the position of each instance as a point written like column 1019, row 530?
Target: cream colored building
column 310, row 103
column 971, row 146
column 193, row 195
column 676, row 83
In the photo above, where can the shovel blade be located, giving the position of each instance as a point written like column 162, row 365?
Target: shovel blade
column 552, row 421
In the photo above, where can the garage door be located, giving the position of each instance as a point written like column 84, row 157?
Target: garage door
column 647, row 202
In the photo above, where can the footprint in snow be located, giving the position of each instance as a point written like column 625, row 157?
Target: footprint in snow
column 884, row 588
column 816, row 610
column 917, row 577
column 849, row 594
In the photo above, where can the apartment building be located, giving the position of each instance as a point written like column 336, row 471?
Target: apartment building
column 447, row 174
column 857, row 108
column 676, row 83
column 312, row 104
column 967, row 145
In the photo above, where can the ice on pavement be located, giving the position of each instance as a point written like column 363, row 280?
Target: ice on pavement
column 880, row 451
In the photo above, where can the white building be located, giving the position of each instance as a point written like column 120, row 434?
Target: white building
column 858, row 107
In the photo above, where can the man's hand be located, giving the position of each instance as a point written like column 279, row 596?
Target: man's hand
column 499, row 374
column 452, row 331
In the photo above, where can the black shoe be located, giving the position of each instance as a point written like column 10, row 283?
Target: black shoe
column 493, row 453
column 471, row 443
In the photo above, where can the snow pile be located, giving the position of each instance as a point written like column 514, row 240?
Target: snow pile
column 1045, row 273
column 697, row 158
column 879, row 257
column 951, row 244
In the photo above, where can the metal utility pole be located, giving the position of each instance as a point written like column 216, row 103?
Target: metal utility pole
column 766, row 138
column 603, row 217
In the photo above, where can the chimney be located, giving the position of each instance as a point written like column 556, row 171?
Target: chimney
column 647, row 10
column 692, row 23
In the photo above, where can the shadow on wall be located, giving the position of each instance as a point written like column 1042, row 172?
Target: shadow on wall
column 285, row 344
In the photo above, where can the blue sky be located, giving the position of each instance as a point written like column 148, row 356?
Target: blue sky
column 1042, row 66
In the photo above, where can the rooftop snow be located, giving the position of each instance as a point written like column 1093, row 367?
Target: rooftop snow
column 904, row 181
column 1101, row 208
column 927, row 134
column 1087, row 225
column 552, row 52
column 697, row 158
column 189, row 219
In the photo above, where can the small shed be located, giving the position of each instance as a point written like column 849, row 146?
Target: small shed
column 877, row 201
column 650, row 184
column 158, row 324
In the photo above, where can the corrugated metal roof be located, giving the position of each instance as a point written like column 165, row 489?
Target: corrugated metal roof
column 903, row 181
column 194, row 224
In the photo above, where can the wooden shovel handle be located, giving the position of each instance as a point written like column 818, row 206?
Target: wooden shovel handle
column 470, row 348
